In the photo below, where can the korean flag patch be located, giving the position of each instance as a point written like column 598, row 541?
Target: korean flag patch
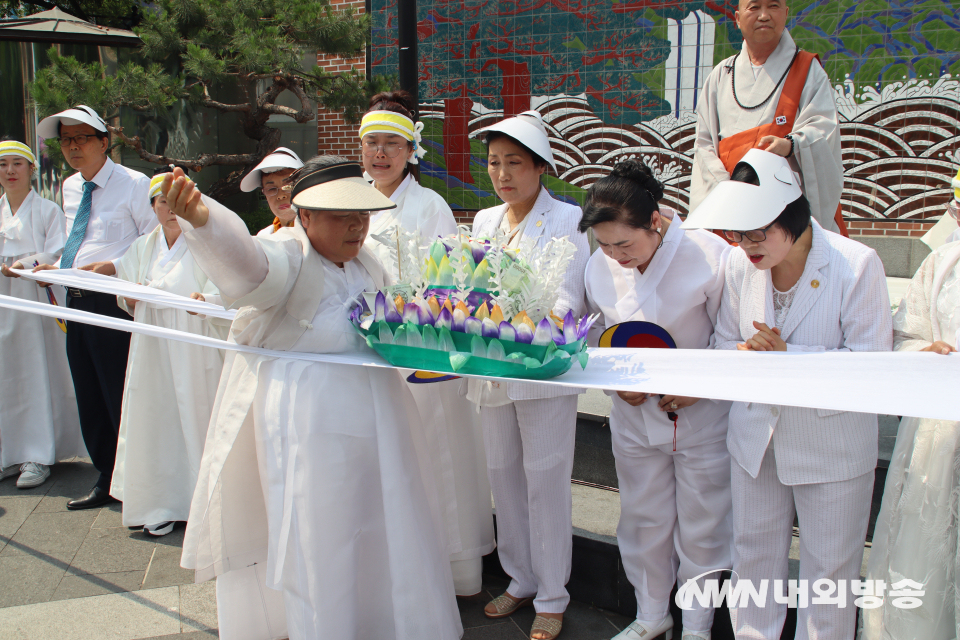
column 781, row 119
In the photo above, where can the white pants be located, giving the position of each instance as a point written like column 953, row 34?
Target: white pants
column 247, row 609
column 674, row 510
column 530, row 458
column 833, row 520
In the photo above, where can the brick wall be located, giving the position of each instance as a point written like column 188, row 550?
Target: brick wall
column 888, row 228
column 334, row 135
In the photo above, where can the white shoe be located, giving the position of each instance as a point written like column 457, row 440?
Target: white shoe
column 32, row 474
column 10, row 471
column 695, row 635
column 159, row 529
column 644, row 630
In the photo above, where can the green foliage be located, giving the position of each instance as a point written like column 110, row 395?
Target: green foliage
column 192, row 49
column 257, row 219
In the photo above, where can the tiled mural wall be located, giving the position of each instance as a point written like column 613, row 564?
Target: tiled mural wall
column 616, row 79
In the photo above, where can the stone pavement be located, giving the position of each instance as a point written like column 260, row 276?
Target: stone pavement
column 82, row 575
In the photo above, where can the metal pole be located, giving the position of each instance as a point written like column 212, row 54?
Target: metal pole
column 409, row 69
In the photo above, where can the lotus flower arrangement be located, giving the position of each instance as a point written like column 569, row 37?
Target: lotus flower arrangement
column 474, row 306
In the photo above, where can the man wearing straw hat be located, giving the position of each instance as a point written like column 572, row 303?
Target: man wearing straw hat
column 107, row 208
column 309, row 482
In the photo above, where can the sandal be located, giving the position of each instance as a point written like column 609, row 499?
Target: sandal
column 550, row 626
column 506, row 605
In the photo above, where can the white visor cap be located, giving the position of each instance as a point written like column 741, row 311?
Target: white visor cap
column 281, row 158
column 527, row 129
column 81, row 114
column 738, row 206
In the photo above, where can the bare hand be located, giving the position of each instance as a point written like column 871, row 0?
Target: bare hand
column 5, row 270
column 766, row 339
column 196, row 296
column 132, row 303
column 939, row 347
column 44, row 267
column 184, row 198
column 633, row 398
column 106, row 268
column 667, row 402
column 773, row 144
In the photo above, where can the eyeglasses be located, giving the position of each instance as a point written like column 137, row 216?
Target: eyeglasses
column 82, row 139
column 390, row 149
column 756, row 235
column 272, row 190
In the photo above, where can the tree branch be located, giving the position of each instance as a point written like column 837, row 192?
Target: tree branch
column 204, row 160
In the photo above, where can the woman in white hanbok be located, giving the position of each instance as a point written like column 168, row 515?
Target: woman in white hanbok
column 390, row 143
column 674, row 477
column 271, row 175
column 38, row 406
column 310, row 482
column 170, row 386
column 917, row 533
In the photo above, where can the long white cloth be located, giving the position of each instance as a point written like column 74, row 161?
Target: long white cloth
column 38, row 406
column 169, row 389
column 115, row 286
column 917, row 534
column 837, row 380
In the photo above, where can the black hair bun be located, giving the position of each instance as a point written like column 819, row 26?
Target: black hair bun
column 382, row 102
column 641, row 174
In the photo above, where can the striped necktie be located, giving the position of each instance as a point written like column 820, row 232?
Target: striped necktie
column 79, row 229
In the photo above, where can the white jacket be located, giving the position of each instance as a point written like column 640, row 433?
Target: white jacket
column 841, row 304
column 548, row 219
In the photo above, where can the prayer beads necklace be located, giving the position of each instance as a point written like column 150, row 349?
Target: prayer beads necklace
column 733, row 81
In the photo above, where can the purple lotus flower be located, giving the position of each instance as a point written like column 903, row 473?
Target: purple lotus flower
column 459, row 318
column 391, row 314
column 380, row 307
column 355, row 314
column 411, row 313
column 479, row 252
column 569, row 328
column 585, row 324
column 508, row 331
column 444, row 320
column 544, row 335
column 424, row 314
column 524, row 333
column 366, row 323
column 472, row 325
column 489, row 329
column 555, row 332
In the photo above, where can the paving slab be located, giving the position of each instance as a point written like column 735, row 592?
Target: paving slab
column 27, row 580
column 88, row 584
column 56, row 536
column 14, row 511
column 191, row 635
column 70, row 480
column 112, row 551
column 110, row 517
column 500, row 631
column 119, row 616
column 165, row 569
column 198, row 606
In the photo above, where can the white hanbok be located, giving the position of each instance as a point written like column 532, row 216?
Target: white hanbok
column 917, row 533
column 169, row 388
column 450, row 423
column 674, row 500
column 38, row 406
column 310, row 468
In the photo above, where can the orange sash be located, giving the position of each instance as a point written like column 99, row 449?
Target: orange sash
column 732, row 149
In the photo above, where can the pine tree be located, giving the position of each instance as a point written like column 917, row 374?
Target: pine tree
column 257, row 46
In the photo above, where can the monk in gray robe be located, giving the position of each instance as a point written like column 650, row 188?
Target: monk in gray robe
column 770, row 96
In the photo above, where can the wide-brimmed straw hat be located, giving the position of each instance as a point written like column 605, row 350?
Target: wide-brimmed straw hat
column 281, row 158
column 80, row 114
column 527, row 129
column 739, row 206
column 338, row 187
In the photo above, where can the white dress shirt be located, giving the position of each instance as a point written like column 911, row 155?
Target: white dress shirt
column 120, row 212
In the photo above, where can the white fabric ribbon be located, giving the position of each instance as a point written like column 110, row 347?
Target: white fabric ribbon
column 914, row 383
column 90, row 281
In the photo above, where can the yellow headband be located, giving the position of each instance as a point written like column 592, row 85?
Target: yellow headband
column 396, row 123
column 155, row 183
column 14, row 148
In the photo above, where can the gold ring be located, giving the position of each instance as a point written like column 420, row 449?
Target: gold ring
column 673, row 405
